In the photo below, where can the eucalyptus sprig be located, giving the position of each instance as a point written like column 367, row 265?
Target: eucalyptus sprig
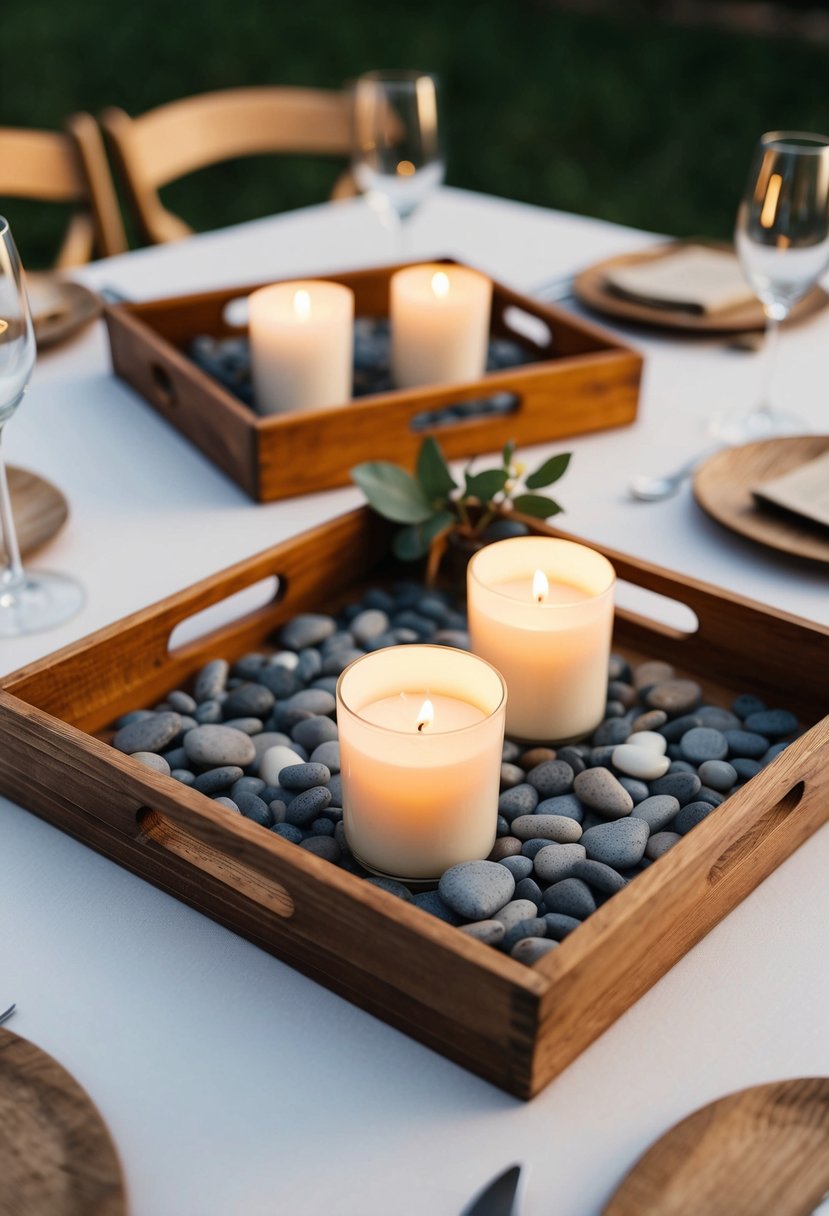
column 432, row 505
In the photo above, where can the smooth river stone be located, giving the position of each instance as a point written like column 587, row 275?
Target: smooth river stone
column 248, row 701
column 327, row 753
column 684, row 786
column 154, row 761
column 475, row 890
column 660, row 843
column 773, row 723
column 368, row 625
column 652, row 672
column 703, row 743
column 504, row 847
column 673, row 731
column 560, row 926
column 307, row 629
column 519, row 866
column 218, row 745
column 313, row 700
column 533, row 927
column 551, row 778
column 307, row 805
column 559, row 828
column 516, row 911
column 691, row 815
column 657, row 811
column 718, row 719
column 520, row 800
column 642, row 762
column 747, row 704
column 650, row 739
column 528, row 888
column 599, row 876
column 151, row 734
column 490, row 932
column 312, row 733
column 599, row 789
column 718, row 774
column 303, row 776
column 557, row 861
column 620, row 844
column 746, row 744
column 572, row 897
column 675, row 697
column 216, row 779
column 611, row 732
column 530, row 949
column 651, row 720
column 566, row 804
column 511, row 775
column 211, row 680
column 273, row 761
column 638, row 790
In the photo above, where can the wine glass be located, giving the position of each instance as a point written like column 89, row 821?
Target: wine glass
column 28, row 602
column 396, row 158
column 782, row 242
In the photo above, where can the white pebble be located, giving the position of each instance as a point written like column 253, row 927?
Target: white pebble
column 641, row 762
column 274, row 760
column 285, row 658
column 650, row 739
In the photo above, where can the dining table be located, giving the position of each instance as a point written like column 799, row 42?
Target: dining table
column 231, row 1083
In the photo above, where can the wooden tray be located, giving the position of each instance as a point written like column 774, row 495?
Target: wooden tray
column 515, row 1025
column 583, row 379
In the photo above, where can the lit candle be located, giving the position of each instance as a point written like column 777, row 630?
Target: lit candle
column 439, row 324
column 301, row 338
column 541, row 611
column 421, row 730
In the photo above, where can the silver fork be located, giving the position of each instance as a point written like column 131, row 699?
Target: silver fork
column 4, row 1017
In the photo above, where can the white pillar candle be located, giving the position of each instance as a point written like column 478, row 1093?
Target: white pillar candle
column 421, row 731
column 439, row 324
column 301, row 340
column 541, row 611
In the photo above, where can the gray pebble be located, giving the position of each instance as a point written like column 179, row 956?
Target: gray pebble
column 288, row 832
column 654, row 671
column 520, row 800
column 559, row 828
column 618, row 668
column 691, row 815
column 684, row 786
column 307, row 629
column 610, row 733
column 335, row 788
column 431, row 902
column 746, row 743
column 154, row 761
column 652, row 719
column 183, row 775
column 248, row 785
column 248, row 726
column 307, row 805
column 208, row 712
column 572, row 897
column 614, row 709
column 393, row 888
column 570, row 756
column 619, row 844
column 530, row 949
column 557, row 861
column 516, row 911
column 227, row 803
column 566, row 804
column 599, row 789
column 528, row 889
column 335, row 663
column 708, row 795
column 327, row 754
column 745, row 768
column 519, row 866
column 601, row 877
column 148, row 734
column 215, row 779
column 660, row 843
column 657, row 811
column 533, row 927
column 637, row 789
column 252, row 807
column 135, row 715
column 314, row 700
column 182, row 702
column 746, row 704
column 552, row 778
column 773, row 723
column 322, row 846
column 322, row 826
column 314, row 732
column 490, row 932
column 718, row 774
column 601, row 757
column 268, row 739
column 249, row 701
column 505, row 846
column 511, row 775
column 718, row 719
column 703, row 743
column 675, row 697
column 281, row 681
column 303, row 776
column 211, row 680
column 559, row 925
column 219, row 745
column 176, row 757
column 673, row 731
column 510, row 751
column 278, row 809
column 247, row 667
column 369, row 625
column 621, row 691
column 475, row 890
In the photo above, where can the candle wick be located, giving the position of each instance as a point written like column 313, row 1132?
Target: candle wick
column 420, row 726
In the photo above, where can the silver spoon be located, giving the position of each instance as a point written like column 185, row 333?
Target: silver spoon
column 655, row 489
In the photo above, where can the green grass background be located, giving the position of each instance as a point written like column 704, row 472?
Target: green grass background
column 614, row 116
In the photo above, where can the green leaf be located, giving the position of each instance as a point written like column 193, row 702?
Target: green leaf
column 432, row 472
column 485, row 485
column 509, row 452
column 392, row 491
column 413, row 542
column 536, row 505
column 549, row 472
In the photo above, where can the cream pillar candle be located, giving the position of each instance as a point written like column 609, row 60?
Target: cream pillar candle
column 421, row 730
column 301, row 340
column 541, row 611
column 439, row 324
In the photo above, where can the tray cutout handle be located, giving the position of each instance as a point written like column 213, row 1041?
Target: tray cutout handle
column 741, row 850
column 500, row 404
column 163, row 386
column 231, row 609
column 662, row 613
column 526, row 325
column 154, row 828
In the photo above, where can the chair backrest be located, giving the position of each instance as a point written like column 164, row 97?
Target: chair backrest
column 178, row 138
column 67, row 166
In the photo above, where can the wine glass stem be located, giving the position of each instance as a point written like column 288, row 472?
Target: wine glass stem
column 770, row 345
column 12, row 576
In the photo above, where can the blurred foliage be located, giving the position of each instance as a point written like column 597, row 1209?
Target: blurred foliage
column 615, row 116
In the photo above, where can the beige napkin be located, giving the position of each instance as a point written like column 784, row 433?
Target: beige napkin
column 804, row 490
column 692, row 277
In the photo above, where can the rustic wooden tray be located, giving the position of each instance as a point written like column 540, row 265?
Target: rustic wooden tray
column 515, row 1025
column 582, row 379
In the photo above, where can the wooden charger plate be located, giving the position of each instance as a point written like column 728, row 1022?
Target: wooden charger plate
column 761, row 1152
column 56, row 1155
column 590, row 288
column 60, row 308
column 723, row 485
column 39, row 508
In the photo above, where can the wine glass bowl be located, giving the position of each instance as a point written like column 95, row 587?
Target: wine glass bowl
column 782, row 243
column 397, row 159
column 28, row 602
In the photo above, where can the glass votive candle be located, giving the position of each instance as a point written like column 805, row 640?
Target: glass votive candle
column 421, row 732
column 541, row 611
column 439, row 324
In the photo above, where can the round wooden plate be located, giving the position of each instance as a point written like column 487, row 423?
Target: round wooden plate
column 761, row 1152
column 591, row 290
column 723, row 485
column 40, row 510
column 60, row 308
column 56, row 1155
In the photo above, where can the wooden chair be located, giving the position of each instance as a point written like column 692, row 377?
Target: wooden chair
column 178, row 138
column 68, row 166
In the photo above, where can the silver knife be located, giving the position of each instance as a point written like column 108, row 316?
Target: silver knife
column 500, row 1197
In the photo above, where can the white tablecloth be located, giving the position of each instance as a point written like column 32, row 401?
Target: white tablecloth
column 232, row 1084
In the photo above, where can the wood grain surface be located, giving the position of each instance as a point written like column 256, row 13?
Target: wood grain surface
column 40, row 510
column 723, row 485
column 56, row 1155
column 761, row 1152
column 591, row 289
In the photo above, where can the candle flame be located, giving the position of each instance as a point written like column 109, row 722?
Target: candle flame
column 540, row 587
column 426, row 716
column 768, row 215
column 440, row 285
column 405, row 168
column 302, row 305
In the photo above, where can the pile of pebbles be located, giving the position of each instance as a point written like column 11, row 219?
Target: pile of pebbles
column 575, row 823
